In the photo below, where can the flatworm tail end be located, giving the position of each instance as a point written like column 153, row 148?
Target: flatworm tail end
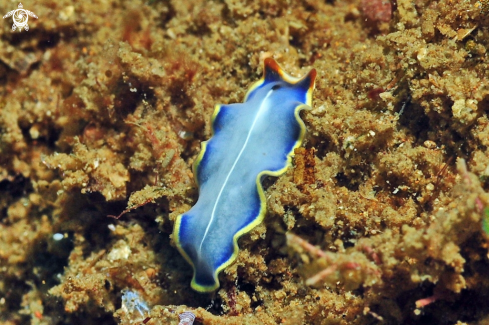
column 199, row 287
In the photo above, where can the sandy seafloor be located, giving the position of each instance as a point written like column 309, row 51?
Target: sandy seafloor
column 381, row 220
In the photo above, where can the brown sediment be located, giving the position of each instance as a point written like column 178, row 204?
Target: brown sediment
column 103, row 110
column 304, row 167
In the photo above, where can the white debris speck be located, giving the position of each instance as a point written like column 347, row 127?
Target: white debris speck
column 349, row 142
column 58, row 236
column 121, row 251
column 66, row 13
column 185, row 135
column 171, row 33
column 34, row 132
column 131, row 302
column 111, row 227
column 186, row 318
column 422, row 53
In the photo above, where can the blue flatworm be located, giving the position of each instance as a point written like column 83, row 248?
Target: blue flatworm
column 250, row 140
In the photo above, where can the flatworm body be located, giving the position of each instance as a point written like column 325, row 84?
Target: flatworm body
column 250, row 140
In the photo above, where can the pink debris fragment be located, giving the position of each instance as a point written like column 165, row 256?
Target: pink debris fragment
column 426, row 301
column 377, row 11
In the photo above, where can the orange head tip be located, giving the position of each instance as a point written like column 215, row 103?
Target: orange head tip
column 271, row 64
column 312, row 75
